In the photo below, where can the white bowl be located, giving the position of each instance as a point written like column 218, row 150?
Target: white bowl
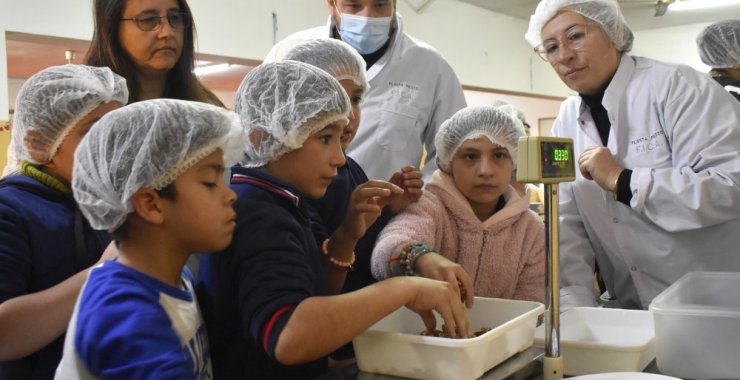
column 598, row 340
column 393, row 346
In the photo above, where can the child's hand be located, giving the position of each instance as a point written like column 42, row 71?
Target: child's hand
column 438, row 267
column 365, row 205
column 442, row 297
column 410, row 180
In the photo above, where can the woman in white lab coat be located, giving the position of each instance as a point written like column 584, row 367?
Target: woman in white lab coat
column 413, row 90
column 658, row 188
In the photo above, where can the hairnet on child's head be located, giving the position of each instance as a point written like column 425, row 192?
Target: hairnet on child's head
column 719, row 44
column 606, row 13
column 333, row 56
column 53, row 101
column 471, row 123
column 147, row 145
column 511, row 110
column 281, row 104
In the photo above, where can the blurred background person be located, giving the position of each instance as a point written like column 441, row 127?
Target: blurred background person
column 413, row 90
column 719, row 48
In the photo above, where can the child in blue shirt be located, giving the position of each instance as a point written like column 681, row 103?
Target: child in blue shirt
column 267, row 298
column 152, row 174
column 46, row 245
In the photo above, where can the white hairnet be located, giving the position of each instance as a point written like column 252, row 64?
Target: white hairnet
column 471, row 123
column 511, row 110
column 147, row 144
column 719, row 44
column 53, row 101
column 281, row 103
column 606, row 13
column 333, row 56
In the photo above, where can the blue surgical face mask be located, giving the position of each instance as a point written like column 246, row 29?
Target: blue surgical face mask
column 365, row 34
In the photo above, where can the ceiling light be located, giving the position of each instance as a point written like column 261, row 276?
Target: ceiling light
column 691, row 5
column 211, row 69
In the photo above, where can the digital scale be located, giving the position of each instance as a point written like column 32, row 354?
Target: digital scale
column 549, row 160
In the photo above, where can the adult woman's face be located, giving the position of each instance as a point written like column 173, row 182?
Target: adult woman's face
column 153, row 52
column 588, row 68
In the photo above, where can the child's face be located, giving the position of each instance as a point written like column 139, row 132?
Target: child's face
column 482, row 171
column 61, row 164
column 312, row 167
column 355, row 93
column 202, row 216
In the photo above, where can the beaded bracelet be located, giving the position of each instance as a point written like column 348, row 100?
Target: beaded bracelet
column 343, row 265
column 408, row 256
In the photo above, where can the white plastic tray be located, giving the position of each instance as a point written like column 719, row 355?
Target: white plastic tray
column 697, row 326
column 598, row 340
column 393, row 346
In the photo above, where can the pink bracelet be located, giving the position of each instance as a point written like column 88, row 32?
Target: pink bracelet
column 343, row 265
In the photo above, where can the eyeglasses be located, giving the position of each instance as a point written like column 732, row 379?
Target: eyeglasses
column 177, row 20
column 575, row 37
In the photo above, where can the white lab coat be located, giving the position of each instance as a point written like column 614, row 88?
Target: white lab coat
column 679, row 132
column 412, row 91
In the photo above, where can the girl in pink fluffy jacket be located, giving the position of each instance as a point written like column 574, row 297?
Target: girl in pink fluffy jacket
column 470, row 227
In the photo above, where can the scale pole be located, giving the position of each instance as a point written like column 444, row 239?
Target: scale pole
column 553, row 362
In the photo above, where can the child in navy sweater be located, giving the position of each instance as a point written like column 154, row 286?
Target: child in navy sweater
column 46, row 245
column 267, row 298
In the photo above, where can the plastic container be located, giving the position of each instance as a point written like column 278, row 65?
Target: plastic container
column 393, row 346
column 697, row 326
column 624, row 376
column 597, row 340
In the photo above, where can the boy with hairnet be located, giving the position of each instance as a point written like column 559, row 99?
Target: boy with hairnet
column 347, row 66
column 719, row 48
column 152, row 174
column 470, row 215
column 46, row 246
column 270, row 309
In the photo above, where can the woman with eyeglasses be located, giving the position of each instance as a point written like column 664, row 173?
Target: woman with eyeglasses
column 151, row 43
column 657, row 143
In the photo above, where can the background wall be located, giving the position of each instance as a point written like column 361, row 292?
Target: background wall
column 485, row 48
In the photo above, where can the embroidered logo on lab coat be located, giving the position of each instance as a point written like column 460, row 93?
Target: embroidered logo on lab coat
column 648, row 143
column 404, row 93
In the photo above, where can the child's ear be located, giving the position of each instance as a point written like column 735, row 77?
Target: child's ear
column 148, row 205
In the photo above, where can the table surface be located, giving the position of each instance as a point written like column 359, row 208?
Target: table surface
column 522, row 366
column 526, row 365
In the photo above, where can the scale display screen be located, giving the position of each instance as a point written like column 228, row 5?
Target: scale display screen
column 556, row 159
column 545, row 159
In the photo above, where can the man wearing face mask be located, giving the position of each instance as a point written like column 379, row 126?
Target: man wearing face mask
column 412, row 88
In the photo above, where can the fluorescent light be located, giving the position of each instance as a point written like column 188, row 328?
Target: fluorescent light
column 212, row 69
column 692, row 5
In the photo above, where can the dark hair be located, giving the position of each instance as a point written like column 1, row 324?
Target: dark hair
column 121, row 233
column 106, row 50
